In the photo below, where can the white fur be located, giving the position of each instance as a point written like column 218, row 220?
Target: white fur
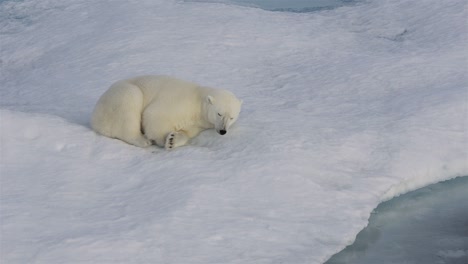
column 163, row 110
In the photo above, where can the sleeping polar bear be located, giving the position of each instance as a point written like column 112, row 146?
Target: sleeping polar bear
column 162, row 110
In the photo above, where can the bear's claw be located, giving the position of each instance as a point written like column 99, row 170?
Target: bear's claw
column 170, row 140
column 176, row 139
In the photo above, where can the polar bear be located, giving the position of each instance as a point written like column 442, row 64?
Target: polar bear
column 162, row 110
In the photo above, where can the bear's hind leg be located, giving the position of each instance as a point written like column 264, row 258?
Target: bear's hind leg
column 176, row 139
column 118, row 114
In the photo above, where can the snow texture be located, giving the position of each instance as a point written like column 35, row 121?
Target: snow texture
column 343, row 109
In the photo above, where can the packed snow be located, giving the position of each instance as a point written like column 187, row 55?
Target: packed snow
column 343, row 109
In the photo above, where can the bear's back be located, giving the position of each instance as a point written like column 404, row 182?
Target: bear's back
column 165, row 89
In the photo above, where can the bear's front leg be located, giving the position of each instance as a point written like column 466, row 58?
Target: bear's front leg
column 176, row 139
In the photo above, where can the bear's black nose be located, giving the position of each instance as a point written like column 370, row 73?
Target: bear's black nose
column 222, row 132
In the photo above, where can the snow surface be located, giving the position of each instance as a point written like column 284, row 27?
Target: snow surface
column 343, row 109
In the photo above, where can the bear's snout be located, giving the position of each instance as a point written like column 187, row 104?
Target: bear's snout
column 222, row 132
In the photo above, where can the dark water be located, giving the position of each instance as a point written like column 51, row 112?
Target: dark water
column 429, row 225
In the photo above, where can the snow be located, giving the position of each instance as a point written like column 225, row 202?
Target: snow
column 343, row 109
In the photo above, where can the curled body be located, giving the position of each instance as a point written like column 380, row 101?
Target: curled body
column 162, row 110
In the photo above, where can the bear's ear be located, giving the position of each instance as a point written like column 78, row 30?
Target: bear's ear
column 210, row 99
column 241, row 101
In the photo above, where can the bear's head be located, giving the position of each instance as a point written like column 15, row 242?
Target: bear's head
column 223, row 109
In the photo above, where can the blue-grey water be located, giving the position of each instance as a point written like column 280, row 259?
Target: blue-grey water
column 286, row 5
column 426, row 226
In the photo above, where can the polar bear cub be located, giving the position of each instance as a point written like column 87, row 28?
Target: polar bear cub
column 162, row 110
